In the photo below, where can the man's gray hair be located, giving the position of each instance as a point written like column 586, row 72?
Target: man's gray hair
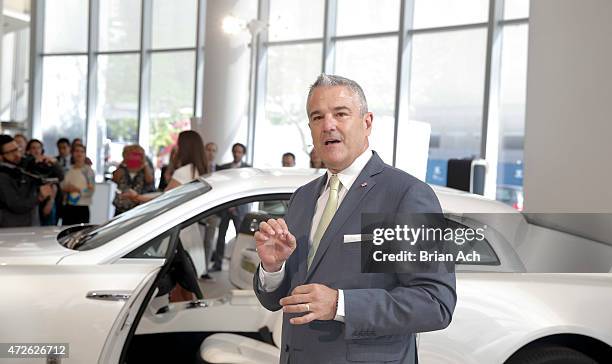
column 332, row 80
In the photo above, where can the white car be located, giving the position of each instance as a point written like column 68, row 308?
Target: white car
column 100, row 289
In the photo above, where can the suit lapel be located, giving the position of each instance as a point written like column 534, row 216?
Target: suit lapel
column 306, row 217
column 349, row 206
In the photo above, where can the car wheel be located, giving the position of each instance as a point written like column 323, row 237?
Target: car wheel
column 550, row 355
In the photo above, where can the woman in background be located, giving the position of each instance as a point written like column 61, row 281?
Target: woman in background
column 191, row 163
column 80, row 141
column 21, row 141
column 78, row 184
column 190, row 159
column 133, row 177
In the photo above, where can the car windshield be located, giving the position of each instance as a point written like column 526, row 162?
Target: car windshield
column 91, row 237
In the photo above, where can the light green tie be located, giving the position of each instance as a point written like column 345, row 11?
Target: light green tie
column 328, row 214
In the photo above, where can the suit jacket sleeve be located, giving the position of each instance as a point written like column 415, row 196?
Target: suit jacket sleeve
column 419, row 302
column 270, row 299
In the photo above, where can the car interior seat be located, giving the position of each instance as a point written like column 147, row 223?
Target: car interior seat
column 233, row 348
column 244, row 259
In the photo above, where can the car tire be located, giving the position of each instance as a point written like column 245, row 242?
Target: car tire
column 550, row 355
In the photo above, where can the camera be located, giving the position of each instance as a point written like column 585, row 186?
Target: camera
column 31, row 171
column 42, row 172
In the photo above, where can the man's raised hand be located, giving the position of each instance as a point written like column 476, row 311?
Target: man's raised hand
column 274, row 244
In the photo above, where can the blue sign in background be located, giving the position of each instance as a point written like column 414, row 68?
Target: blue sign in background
column 507, row 173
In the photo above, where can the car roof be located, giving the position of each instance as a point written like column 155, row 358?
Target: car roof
column 452, row 200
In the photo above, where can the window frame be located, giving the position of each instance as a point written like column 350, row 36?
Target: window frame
column 145, row 51
column 489, row 119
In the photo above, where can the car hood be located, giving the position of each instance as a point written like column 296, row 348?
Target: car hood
column 31, row 246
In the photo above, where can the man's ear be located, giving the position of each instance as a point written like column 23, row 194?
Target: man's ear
column 368, row 118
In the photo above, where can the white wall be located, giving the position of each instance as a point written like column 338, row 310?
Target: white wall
column 568, row 131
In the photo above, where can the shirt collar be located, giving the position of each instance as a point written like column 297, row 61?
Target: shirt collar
column 348, row 175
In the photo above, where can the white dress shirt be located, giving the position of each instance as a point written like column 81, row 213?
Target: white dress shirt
column 272, row 280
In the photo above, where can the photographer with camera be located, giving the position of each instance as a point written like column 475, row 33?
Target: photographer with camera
column 20, row 191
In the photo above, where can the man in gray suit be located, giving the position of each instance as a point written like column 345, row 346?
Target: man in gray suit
column 334, row 313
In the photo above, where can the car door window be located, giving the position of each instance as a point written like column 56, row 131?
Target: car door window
column 90, row 237
column 154, row 249
column 210, row 237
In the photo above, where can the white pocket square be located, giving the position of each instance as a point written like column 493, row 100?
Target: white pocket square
column 357, row 238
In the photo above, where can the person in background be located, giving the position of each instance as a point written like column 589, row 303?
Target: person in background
column 236, row 214
column 192, row 163
column 63, row 158
column 35, row 147
column 288, row 160
column 238, row 152
column 20, row 194
column 46, row 167
column 78, row 185
column 210, row 151
column 190, row 159
column 76, row 141
column 186, row 163
column 21, row 141
column 43, row 164
column 133, row 177
column 211, row 223
column 315, row 160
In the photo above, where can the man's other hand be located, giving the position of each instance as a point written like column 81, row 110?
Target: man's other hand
column 318, row 301
column 274, row 244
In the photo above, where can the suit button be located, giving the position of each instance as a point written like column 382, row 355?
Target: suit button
column 286, row 347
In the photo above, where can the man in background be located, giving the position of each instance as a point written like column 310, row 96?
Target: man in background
column 211, row 223
column 236, row 214
column 210, row 153
column 20, row 193
column 63, row 157
column 288, row 160
column 238, row 152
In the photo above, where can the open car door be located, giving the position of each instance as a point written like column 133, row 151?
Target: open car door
column 89, row 308
column 158, row 255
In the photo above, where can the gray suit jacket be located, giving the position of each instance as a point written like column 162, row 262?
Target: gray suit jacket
column 382, row 310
